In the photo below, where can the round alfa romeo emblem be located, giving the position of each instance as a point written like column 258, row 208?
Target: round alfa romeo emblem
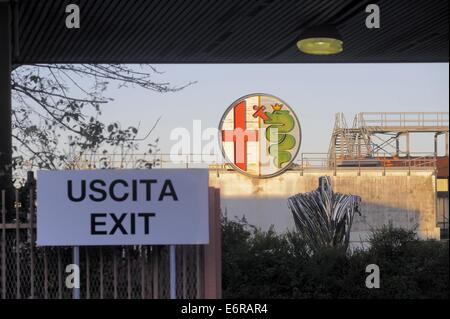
column 260, row 135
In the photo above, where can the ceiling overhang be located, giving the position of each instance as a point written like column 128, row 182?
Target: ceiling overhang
column 226, row 31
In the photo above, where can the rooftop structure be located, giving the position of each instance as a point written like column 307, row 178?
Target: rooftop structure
column 376, row 137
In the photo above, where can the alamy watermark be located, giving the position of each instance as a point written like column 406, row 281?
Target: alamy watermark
column 73, row 277
column 373, row 279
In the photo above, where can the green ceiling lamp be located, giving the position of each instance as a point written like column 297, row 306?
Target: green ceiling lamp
column 321, row 40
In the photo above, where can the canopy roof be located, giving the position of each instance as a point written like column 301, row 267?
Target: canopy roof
column 225, row 31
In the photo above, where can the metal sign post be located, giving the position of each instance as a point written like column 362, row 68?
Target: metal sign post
column 76, row 261
column 173, row 272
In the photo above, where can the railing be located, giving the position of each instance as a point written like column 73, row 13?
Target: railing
column 402, row 119
column 142, row 161
column 323, row 161
column 303, row 161
column 340, row 121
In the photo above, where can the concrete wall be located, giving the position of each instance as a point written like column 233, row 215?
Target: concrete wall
column 396, row 197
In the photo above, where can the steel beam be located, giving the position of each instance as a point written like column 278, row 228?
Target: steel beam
column 446, row 144
column 397, row 144
column 408, row 144
column 5, row 97
column 436, row 145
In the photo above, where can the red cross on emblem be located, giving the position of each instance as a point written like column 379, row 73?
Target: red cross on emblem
column 240, row 136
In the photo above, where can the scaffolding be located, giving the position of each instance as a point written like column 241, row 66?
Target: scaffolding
column 375, row 136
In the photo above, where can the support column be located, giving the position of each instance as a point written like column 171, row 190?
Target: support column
column 408, row 145
column 212, row 276
column 436, row 145
column 5, row 97
column 397, row 145
column 446, row 144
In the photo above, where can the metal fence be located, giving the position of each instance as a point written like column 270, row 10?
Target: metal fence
column 303, row 161
column 27, row 271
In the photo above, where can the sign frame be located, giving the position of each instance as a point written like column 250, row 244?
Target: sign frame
column 188, row 184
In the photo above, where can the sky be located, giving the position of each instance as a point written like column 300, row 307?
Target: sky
column 314, row 91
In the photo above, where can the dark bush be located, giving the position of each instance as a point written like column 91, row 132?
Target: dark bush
column 258, row 264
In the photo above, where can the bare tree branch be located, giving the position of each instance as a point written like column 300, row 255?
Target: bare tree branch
column 57, row 111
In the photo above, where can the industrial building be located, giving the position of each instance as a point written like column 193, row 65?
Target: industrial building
column 372, row 159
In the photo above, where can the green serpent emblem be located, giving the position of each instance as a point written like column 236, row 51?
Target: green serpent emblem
column 283, row 122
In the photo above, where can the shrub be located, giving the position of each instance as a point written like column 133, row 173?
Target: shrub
column 264, row 264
